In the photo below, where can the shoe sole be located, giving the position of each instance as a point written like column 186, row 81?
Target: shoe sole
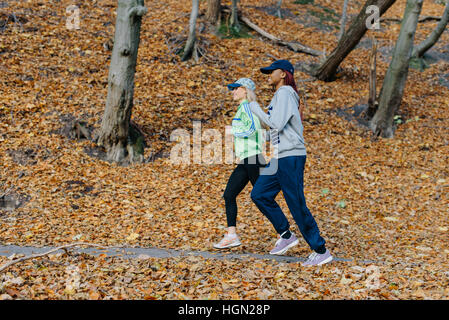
column 229, row 246
column 280, row 253
column 319, row 264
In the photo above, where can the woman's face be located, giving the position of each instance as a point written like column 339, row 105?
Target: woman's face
column 239, row 94
column 275, row 77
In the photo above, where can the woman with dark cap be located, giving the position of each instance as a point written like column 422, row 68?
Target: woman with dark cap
column 286, row 169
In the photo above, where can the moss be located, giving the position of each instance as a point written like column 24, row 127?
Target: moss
column 422, row 63
column 226, row 31
column 136, row 140
column 303, row 1
column 327, row 16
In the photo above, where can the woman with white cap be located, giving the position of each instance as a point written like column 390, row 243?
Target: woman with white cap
column 248, row 148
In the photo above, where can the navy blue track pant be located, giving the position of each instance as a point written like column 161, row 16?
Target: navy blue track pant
column 289, row 177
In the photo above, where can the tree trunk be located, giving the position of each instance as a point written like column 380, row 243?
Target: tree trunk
column 235, row 17
column 424, row 46
column 349, row 41
column 213, row 11
column 372, row 99
column 278, row 8
column 343, row 20
column 395, row 79
column 114, row 131
column 190, row 48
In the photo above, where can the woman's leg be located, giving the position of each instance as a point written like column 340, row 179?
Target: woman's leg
column 263, row 195
column 237, row 181
column 291, row 178
column 254, row 169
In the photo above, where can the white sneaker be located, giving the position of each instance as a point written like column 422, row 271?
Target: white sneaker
column 228, row 241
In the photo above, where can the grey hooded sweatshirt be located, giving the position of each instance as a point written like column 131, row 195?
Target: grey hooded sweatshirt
column 286, row 130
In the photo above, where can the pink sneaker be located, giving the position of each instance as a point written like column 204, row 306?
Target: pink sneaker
column 282, row 245
column 316, row 259
column 228, row 241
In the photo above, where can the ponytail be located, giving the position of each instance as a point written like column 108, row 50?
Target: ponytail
column 289, row 80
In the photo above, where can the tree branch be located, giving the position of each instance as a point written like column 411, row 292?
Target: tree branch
column 294, row 46
column 39, row 255
column 138, row 11
column 421, row 19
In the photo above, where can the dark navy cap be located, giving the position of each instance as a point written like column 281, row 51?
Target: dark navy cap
column 278, row 64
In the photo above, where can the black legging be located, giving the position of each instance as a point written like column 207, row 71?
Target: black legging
column 247, row 170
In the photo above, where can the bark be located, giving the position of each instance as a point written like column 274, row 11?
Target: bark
column 190, row 48
column 213, row 11
column 349, row 41
column 424, row 46
column 395, row 79
column 114, row 129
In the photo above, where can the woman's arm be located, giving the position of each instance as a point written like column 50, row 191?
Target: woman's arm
column 245, row 126
column 279, row 115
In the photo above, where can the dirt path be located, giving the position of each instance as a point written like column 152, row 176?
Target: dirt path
column 143, row 253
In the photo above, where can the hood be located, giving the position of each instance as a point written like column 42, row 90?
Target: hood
column 289, row 89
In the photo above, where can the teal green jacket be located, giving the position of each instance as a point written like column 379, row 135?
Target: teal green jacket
column 247, row 132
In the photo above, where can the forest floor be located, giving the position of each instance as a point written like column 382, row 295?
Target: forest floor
column 384, row 200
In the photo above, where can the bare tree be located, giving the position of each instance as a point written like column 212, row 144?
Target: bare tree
column 190, row 47
column 395, row 79
column 423, row 47
column 114, row 131
column 327, row 69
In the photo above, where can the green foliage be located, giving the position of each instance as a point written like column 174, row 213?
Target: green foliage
column 328, row 15
column 341, row 204
column 304, row 1
column 226, row 31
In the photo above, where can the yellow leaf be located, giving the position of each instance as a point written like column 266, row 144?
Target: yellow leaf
column 133, row 236
column 345, row 281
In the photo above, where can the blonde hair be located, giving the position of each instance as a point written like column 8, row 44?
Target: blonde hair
column 250, row 95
